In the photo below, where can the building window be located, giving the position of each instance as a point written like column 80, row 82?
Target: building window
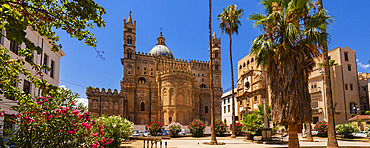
column 216, row 67
column 141, row 80
column 346, row 56
column 252, row 60
column 151, row 69
column 151, row 73
column 224, row 101
column 228, row 100
column 144, row 73
column 349, row 67
column 8, row 125
column 329, row 58
column 14, row 47
column 243, row 64
column 255, row 99
column 240, row 102
column 346, row 86
column 224, row 109
column 202, row 79
column 46, row 57
column 142, row 106
column 228, row 108
column 138, row 68
column 52, row 69
column 216, row 54
column 315, row 120
column 26, row 87
column 351, row 86
column 29, row 59
column 240, row 67
column 2, row 36
column 206, row 109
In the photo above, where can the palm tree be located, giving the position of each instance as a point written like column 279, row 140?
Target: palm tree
column 230, row 24
column 213, row 131
column 332, row 139
column 287, row 51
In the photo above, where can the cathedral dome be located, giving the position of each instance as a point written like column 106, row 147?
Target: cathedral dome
column 161, row 48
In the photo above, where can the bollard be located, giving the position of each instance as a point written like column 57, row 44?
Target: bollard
column 165, row 144
column 160, row 144
column 144, row 144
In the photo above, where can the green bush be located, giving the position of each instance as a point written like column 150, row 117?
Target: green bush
column 238, row 129
column 174, row 129
column 322, row 128
column 252, row 123
column 346, row 130
column 197, row 128
column 220, row 127
column 116, row 128
column 154, row 128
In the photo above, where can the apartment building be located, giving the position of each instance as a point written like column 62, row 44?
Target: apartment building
column 47, row 57
column 364, row 83
column 226, row 107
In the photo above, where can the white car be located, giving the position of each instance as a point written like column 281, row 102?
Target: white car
column 136, row 133
column 361, row 134
column 146, row 133
column 182, row 132
column 314, row 133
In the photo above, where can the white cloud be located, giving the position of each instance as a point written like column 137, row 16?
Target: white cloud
column 364, row 66
column 82, row 101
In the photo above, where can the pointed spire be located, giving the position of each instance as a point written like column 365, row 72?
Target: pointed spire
column 214, row 35
column 129, row 18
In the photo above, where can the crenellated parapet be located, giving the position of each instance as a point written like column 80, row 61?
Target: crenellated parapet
column 96, row 91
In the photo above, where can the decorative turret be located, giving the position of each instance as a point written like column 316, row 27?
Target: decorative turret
column 161, row 48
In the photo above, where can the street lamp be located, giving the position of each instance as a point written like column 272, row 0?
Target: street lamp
column 356, row 110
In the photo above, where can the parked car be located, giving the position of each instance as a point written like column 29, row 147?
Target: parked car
column 146, row 133
column 361, row 134
column 135, row 133
column 182, row 132
column 164, row 132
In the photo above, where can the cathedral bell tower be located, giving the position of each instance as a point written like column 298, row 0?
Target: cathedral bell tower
column 129, row 40
column 216, row 60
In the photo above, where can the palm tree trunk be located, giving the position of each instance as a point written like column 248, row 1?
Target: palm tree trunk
column 309, row 137
column 213, row 134
column 293, row 135
column 232, row 91
column 332, row 140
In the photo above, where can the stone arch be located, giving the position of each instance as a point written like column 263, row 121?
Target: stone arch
column 141, row 80
column 203, row 86
column 180, row 98
column 165, row 97
column 172, row 100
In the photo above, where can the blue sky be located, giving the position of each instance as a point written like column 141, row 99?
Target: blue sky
column 185, row 27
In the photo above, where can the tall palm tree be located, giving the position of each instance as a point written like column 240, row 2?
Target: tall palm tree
column 230, row 24
column 213, row 131
column 332, row 140
column 287, row 49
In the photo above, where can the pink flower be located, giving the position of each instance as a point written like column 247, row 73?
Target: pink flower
column 48, row 97
column 1, row 114
column 43, row 113
column 38, row 103
column 70, row 132
column 75, row 111
column 72, row 103
column 46, row 100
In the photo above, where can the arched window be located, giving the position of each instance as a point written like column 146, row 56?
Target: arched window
column 247, row 62
column 252, row 60
column 203, row 86
column 216, row 54
column 216, row 67
column 142, row 106
column 243, row 64
column 206, row 109
column 129, row 41
column 240, row 67
column 141, row 80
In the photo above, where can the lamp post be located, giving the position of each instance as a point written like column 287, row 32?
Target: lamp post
column 356, row 110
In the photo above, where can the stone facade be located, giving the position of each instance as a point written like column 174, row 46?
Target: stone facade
column 158, row 87
column 251, row 86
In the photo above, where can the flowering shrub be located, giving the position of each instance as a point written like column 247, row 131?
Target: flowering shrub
column 117, row 128
column 56, row 122
column 238, row 128
column 174, row 129
column 154, row 128
column 322, row 128
column 197, row 127
column 346, row 130
column 220, row 127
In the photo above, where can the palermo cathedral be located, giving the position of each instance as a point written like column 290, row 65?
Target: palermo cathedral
column 158, row 87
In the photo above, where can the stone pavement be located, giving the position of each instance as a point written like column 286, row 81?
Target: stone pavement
column 190, row 142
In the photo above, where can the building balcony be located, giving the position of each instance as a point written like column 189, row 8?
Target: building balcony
column 317, row 110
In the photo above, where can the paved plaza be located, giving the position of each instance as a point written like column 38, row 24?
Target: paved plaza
column 191, row 142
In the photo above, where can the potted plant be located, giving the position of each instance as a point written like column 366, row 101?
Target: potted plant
column 154, row 128
column 197, row 128
column 220, row 127
column 174, row 129
column 252, row 123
